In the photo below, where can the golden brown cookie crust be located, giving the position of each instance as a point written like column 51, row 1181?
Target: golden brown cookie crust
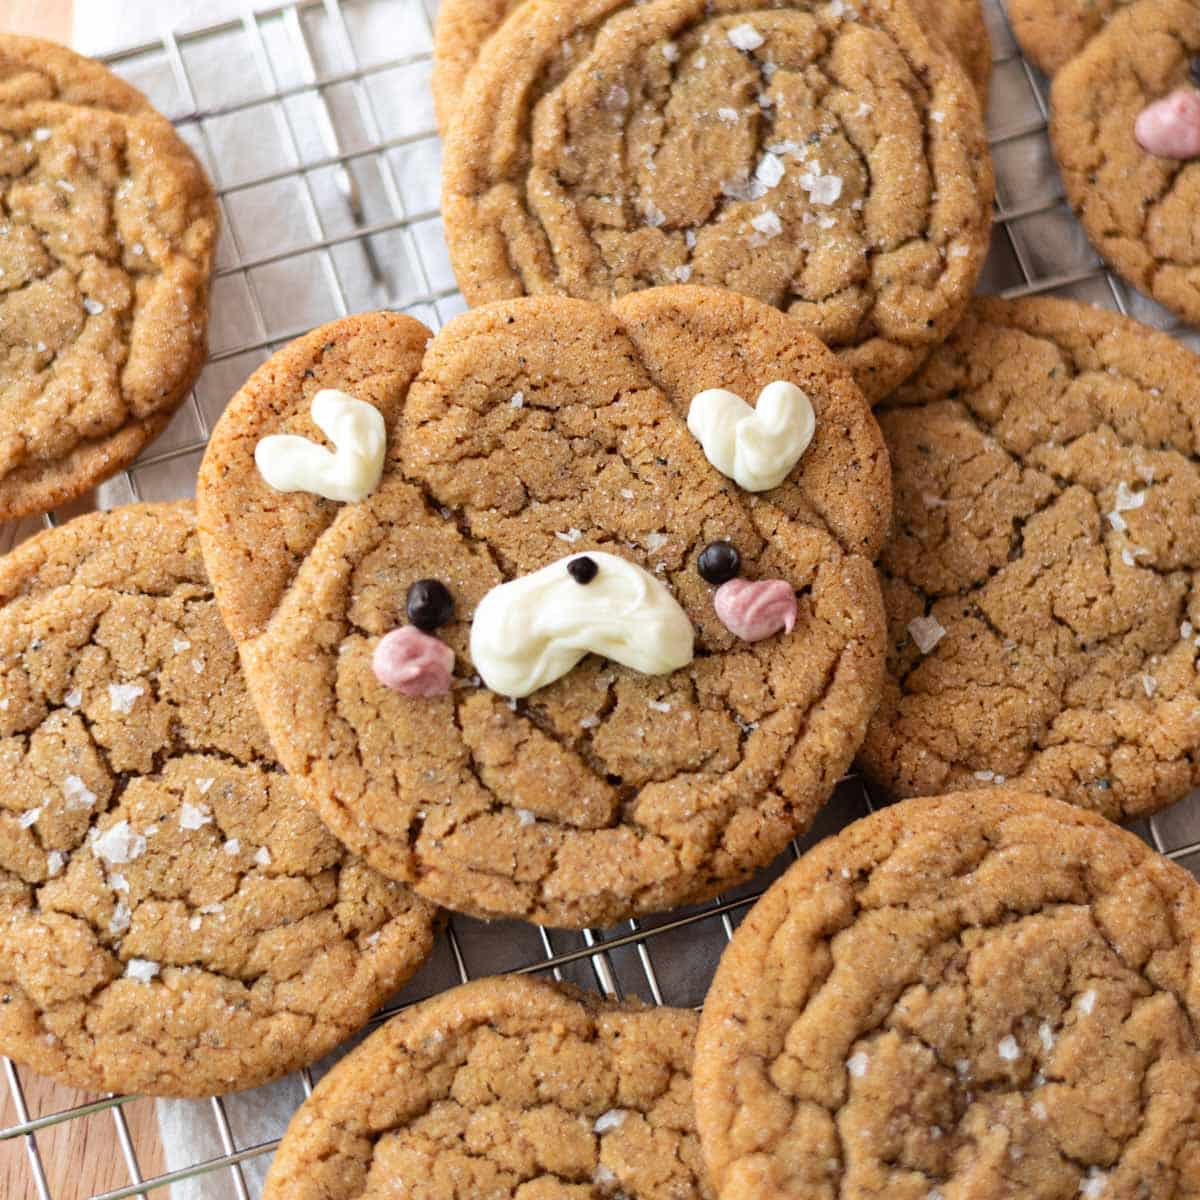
column 986, row 995
column 504, row 1087
column 33, row 69
column 175, row 921
column 604, row 148
column 463, row 26
column 1047, row 471
column 608, row 792
column 1052, row 32
column 1138, row 209
column 105, row 250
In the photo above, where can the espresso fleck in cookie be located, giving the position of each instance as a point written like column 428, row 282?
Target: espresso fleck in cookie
column 463, row 26
column 824, row 158
column 505, row 1087
column 1052, row 32
column 1137, row 201
column 1040, row 579
column 174, row 920
column 561, row 744
column 983, row 995
column 105, row 250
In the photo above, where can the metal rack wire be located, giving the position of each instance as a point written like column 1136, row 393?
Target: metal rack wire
column 326, row 164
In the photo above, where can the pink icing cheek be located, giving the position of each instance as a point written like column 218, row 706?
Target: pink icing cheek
column 756, row 609
column 1170, row 128
column 413, row 663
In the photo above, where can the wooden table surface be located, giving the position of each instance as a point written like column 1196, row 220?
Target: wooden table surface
column 80, row 1157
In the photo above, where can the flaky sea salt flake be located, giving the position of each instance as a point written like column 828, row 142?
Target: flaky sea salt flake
column 767, row 223
column 29, row 817
column 194, row 816
column 613, row 1119
column 120, row 843
column 926, row 632
column 121, row 696
column 141, row 969
column 1008, row 1049
column 262, row 856
column 55, row 861
column 77, row 793
column 1128, row 500
column 745, row 37
column 570, row 536
column 73, row 699
column 857, row 1064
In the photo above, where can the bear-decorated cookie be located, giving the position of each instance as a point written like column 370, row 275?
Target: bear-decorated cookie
column 1126, row 132
column 826, row 158
column 174, row 920
column 1040, row 581
column 105, row 250
column 559, row 663
column 463, row 26
column 507, row 1087
column 1052, row 32
column 977, row 996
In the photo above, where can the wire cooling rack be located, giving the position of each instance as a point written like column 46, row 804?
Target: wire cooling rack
column 314, row 118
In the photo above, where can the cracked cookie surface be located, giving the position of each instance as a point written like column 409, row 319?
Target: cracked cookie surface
column 984, row 995
column 1041, row 578
column 1138, row 209
column 175, row 921
column 507, row 1087
column 1052, row 32
column 824, row 158
column 527, row 431
column 105, row 249
column 463, row 26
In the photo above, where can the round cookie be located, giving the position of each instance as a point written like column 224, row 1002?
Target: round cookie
column 463, row 26
column 984, row 995
column 1139, row 209
column 509, row 1086
column 175, row 921
column 824, row 159
column 1041, row 580
column 538, row 429
column 1052, row 32
column 105, row 253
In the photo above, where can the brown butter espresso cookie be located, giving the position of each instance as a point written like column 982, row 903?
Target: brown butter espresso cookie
column 507, row 1087
column 105, row 249
column 983, row 995
column 174, row 920
column 1040, row 580
column 825, row 158
column 463, row 26
column 1126, row 132
column 478, row 750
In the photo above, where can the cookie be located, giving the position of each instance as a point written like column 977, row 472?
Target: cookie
column 1040, row 579
column 1052, row 32
column 1116, row 133
column 105, row 255
column 824, row 159
column 458, row 733
column 175, row 921
column 463, row 26
column 984, row 994
column 505, row 1087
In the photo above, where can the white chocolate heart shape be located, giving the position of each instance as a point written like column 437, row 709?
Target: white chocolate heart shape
column 533, row 630
column 350, row 473
column 755, row 447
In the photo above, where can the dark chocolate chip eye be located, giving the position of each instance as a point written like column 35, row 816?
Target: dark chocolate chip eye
column 429, row 604
column 1194, row 70
column 582, row 569
column 719, row 562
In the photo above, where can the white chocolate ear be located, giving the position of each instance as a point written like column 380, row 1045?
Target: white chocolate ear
column 294, row 464
column 755, row 447
column 532, row 631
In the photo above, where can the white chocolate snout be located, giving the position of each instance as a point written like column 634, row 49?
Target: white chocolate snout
column 533, row 630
